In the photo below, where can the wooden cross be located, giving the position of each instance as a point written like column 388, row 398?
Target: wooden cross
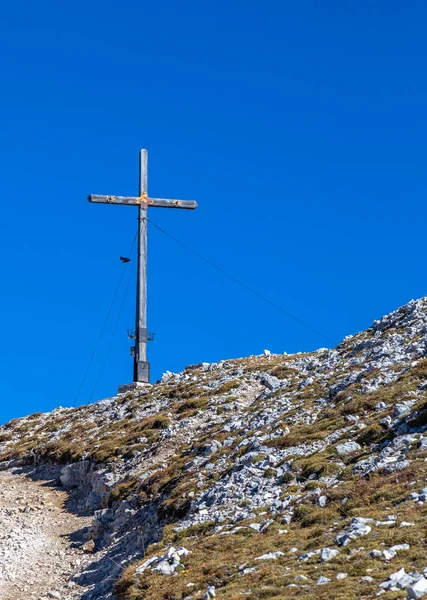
column 141, row 372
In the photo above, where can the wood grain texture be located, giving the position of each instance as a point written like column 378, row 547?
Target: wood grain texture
column 139, row 200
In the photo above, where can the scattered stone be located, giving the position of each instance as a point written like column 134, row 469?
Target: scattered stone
column 381, row 406
column 270, row 382
column 89, row 547
column 403, row 408
column 401, row 580
column 167, row 376
column 391, row 552
column 347, row 448
column 166, row 564
column 270, row 556
column 358, row 527
column 418, row 589
column 210, row 593
column 307, row 555
column 322, row 501
column 328, row 554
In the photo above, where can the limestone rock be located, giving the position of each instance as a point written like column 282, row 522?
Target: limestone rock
column 270, row 556
column 418, row 589
column 358, row 527
column 347, row 448
column 328, row 554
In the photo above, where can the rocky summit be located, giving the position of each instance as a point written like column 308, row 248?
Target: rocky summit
column 272, row 476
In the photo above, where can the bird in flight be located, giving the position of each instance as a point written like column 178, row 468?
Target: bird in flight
column 124, row 259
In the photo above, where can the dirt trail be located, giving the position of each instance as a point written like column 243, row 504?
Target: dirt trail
column 39, row 540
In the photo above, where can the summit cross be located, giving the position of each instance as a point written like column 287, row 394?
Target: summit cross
column 141, row 371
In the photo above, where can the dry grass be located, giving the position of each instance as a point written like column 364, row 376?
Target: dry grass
column 218, row 560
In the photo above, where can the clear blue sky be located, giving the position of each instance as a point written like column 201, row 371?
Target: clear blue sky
column 300, row 129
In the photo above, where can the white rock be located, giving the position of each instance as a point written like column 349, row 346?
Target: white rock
column 398, row 547
column 322, row 580
column 357, row 528
column 146, row 564
column 270, row 556
column 321, row 501
column 347, row 448
column 385, row 523
column 166, row 376
column 381, row 405
column 418, row 589
column 166, row 564
column 328, row 554
column 398, row 574
column 181, row 551
column 164, row 567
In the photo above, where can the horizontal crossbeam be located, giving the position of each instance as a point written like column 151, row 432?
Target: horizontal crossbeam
column 136, row 201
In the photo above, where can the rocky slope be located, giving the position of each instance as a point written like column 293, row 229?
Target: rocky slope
column 273, row 476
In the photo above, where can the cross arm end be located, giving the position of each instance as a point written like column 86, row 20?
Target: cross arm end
column 163, row 203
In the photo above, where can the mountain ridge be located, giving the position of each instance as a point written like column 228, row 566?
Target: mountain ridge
column 272, row 476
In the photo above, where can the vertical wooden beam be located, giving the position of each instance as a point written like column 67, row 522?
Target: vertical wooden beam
column 141, row 370
column 141, row 365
